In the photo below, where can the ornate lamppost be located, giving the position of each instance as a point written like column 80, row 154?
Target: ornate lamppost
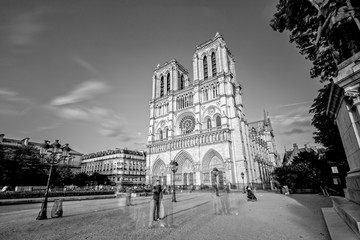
column 52, row 154
column 173, row 166
column 242, row 176
column 216, row 173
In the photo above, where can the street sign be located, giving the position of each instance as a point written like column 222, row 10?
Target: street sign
column 334, row 170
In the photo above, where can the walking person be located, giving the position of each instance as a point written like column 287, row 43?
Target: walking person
column 155, row 204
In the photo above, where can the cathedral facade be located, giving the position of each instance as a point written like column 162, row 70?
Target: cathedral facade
column 200, row 123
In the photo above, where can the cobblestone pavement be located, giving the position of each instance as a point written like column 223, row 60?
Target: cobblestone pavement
column 273, row 216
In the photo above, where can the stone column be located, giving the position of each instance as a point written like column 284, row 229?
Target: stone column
column 224, row 59
column 195, row 67
column 219, row 66
column 197, row 178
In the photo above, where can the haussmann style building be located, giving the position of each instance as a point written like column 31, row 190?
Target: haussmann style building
column 200, row 123
column 122, row 166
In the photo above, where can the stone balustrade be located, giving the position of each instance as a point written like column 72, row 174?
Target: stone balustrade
column 191, row 140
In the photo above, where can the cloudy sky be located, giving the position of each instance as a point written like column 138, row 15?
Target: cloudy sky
column 80, row 71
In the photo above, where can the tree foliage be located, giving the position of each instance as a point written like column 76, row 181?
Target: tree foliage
column 324, row 32
column 22, row 166
column 301, row 19
column 307, row 170
column 327, row 132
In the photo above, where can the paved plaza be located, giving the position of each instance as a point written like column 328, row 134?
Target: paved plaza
column 273, row 216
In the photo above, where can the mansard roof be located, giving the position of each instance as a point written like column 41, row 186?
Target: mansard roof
column 16, row 143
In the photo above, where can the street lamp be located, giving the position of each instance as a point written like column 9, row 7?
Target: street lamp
column 242, row 176
column 173, row 166
column 52, row 154
column 216, row 173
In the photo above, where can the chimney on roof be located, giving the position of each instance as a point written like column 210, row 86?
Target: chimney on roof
column 295, row 146
column 2, row 137
column 26, row 141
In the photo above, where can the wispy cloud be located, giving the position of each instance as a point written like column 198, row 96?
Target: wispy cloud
column 25, row 27
column 291, row 105
column 296, row 131
column 43, row 128
column 86, row 65
column 85, row 91
column 296, row 121
column 11, row 103
column 78, row 105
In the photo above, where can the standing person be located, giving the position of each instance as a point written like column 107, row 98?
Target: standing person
column 155, row 204
column 128, row 197
column 157, row 195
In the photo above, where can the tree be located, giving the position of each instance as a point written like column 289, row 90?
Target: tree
column 328, row 134
column 307, row 170
column 21, row 167
column 326, row 32
column 61, row 176
column 81, row 179
column 98, row 179
column 301, row 19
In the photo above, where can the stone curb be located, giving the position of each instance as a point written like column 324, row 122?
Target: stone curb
column 52, row 199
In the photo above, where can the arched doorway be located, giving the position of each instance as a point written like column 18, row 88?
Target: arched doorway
column 212, row 160
column 187, row 170
column 159, row 172
column 185, row 173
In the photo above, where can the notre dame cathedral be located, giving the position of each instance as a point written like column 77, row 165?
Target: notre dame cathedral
column 200, row 123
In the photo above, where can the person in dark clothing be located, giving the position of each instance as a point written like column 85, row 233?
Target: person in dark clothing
column 157, row 195
column 250, row 194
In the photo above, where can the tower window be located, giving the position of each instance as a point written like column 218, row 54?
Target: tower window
column 182, row 83
column 205, row 68
column 218, row 122
column 162, row 86
column 166, row 133
column 208, row 124
column 213, row 64
column 168, row 84
column 161, row 135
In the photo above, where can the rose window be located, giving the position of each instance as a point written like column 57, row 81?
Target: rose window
column 187, row 124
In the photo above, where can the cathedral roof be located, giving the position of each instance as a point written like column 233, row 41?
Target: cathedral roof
column 217, row 35
column 172, row 62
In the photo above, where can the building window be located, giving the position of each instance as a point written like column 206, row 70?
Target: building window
column 168, row 84
column 161, row 135
column 166, row 133
column 162, row 86
column 218, row 122
column 208, row 124
column 213, row 64
column 205, row 68
column 182, row 84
